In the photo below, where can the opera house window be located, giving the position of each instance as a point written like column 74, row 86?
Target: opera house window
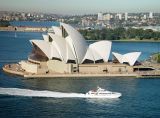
column 37, row 54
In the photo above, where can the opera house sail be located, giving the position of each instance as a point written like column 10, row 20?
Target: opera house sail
column 68, row 45
column 66, row 51
column 130, row 58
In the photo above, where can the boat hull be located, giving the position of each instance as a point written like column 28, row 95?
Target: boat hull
column 116, row 95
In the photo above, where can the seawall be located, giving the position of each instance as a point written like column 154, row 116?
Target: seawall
column 24, row 29
column 16, row 70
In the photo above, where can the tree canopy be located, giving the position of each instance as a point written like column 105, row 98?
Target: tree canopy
column 4, row 23
column 120, row 33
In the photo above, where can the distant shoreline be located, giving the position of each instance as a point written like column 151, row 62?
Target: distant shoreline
column 128, row 40
column 44, row 29
column 24, row 29
column 145, row 40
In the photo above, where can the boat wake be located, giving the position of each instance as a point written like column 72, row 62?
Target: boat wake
column 100, row 93
column 35, row 93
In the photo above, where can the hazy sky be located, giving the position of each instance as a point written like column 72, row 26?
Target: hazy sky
column 80, row 6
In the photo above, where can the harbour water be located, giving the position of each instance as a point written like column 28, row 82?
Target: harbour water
column 140, row 97
column 34, row 24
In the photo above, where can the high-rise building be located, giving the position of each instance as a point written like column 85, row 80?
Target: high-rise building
column 126, row 16
column 119, row 16
column 28, row 14
column 145, row 17
column 23, row 15
column 100, row 16
column 107, row 17
column 151, row 15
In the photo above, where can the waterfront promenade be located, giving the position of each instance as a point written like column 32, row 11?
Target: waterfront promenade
column 24, row 29
column 17, row 70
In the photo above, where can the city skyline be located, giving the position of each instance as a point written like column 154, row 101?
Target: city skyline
column 80, row 7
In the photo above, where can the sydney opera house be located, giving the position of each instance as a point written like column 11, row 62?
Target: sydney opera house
column 66, row 51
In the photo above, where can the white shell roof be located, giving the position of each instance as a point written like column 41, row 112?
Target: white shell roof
column 70, row 50
column 62, row 47
column 57, row 30
column 98, row 50
column 102, row 49
column 79, row 44
column 44, row 46
column 47, row 48
column 46, row 38
column 55, row 52
column 131, row 58
column 89, row 55
column 72, row 47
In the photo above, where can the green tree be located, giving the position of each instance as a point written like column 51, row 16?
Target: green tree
column 158, row 59
column 4, row 23
column 120, row 33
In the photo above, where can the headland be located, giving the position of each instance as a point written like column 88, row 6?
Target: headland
column 65, row 53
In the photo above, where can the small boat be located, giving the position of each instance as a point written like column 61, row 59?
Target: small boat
column 102, row 93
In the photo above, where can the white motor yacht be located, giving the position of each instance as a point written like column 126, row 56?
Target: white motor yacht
column 102, row 93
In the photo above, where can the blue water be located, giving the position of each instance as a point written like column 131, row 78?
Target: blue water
column 35, row 24
column 140, row 97
column 16, row 45
column 147, row 48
